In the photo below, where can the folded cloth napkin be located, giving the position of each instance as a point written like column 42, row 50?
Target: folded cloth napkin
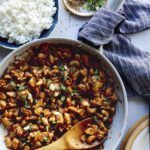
column 110, row 28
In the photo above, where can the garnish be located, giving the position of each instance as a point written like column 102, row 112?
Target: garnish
column 86, row 4
column 94, row 4
column 21, row 87
column 46, row 139
column 47, row 128
column 62, row 68
column 96, row 74
column 62, row 98
column 27, row 105
column 54, row 123
column 12, row 83
column 81, row 99
column 28, row 127
column 63, row 87
column 96, row 119
column 96, row 71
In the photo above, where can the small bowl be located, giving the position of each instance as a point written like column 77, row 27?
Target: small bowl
column 113, row 5
column 4, row 42
column 76, row 12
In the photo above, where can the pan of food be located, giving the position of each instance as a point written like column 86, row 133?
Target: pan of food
column 49, row 85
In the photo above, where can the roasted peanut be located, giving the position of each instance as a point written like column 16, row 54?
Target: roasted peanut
column 7, row 123
column 67, row 118
column 91, row 139
column 38, row 110
column 73, row 109
column 8, row 142
column 83, row 138
column 15, row 143
column 85, row 103
column 3, row 105
column 2, row 96
column 44, row 121
column 47, row 113
column 90, row 131
column 11, row 94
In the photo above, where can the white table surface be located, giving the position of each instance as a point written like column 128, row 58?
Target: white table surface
column 68, row 26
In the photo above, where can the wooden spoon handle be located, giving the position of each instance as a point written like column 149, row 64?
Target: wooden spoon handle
column 60, row 144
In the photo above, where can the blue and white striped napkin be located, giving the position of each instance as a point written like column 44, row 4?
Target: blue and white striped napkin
column 110, row 29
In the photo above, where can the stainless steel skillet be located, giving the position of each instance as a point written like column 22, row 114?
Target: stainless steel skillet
column 120, row 119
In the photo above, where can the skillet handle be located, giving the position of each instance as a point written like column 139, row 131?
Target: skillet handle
column 114, row 6
column 101, row 49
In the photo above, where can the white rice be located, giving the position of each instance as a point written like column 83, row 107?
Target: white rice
column 24, row 20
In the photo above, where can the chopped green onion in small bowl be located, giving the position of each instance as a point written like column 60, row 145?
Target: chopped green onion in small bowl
column 84, row 8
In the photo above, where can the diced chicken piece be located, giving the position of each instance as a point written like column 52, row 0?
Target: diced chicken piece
column 67, row 118
column 97, row 102
column 32, row 82
column 83, row 138
column 91, row 110
column 11, row 94
column 114, row 97
column 40, row 82
column 90, row 131
column 38, row 144
column 52, row 119
column 73, row 109
column 74, row 63
column 19, row 131
column 26, row 112
column 68, row 101
column 2, row 96
column 59, row 119
column 97, row 86
column 105, row 114
column 85, row 103
column 38, row 110
column 109, row 91
column 47, row 113
column 44, row 120
column 91, row 139
column 83, row 71
column 26, row 147
column 7, row 123
column 3, row 105
column 8, row 142
column 16, row 143
column 81, row 112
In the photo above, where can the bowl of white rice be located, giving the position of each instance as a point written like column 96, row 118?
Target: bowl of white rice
column 26, row 20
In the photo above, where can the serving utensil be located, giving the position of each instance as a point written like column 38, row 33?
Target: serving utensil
column 71, row 139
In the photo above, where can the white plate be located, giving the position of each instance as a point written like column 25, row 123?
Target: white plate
column 137, row 138
column 142, row 141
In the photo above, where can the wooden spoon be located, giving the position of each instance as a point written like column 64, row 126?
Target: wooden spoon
column 71, row 139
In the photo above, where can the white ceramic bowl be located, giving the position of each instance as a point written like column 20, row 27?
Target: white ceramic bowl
column 119, row 122
column 113, row 5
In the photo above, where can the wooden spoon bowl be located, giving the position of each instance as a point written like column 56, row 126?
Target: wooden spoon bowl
column 71, row 139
